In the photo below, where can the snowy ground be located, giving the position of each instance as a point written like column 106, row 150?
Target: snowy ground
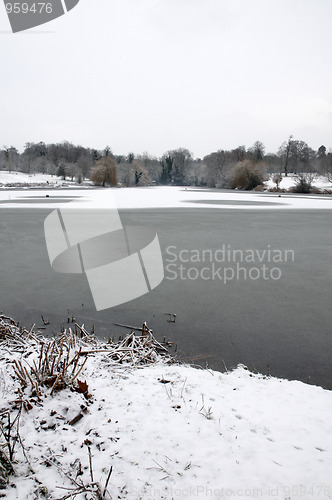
column 170, row 432
column 165, row 197
column 288, row 182
column 11, row 179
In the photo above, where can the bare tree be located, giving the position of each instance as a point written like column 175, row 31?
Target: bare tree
column 285, row 154
column 174, row 166
column 84, row 164
column 152, row 166
column 142, row 177
column 72, row 170
column 239, row 154
column 217, row 165
column 256, row 152
column 62, row 171
column 323, row 163
column 107, row 151
column 11, row 158
column 105, row 172
column 273, row 163
column 196, row 173
column 167, row 168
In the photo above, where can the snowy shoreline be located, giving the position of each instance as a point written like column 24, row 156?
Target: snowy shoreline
column 168, row 431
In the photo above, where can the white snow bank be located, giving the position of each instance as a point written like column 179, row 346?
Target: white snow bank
column 288, row 182
column 200, row 434
column 19, row 178
column 23, row 178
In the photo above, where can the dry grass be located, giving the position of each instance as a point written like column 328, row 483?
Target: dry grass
column 42, row 366
column 55, row 363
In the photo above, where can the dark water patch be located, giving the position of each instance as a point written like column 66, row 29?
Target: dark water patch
column 235, row 202
column 62, row 197
column 31, row 201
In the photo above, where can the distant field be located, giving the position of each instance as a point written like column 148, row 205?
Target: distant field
column 12, row 178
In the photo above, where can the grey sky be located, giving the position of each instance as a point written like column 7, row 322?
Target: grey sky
column 153, row 75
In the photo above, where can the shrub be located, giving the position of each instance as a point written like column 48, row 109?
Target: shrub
column 275, row 190
column 246, row 175
column 277, row 178
column 303, row 184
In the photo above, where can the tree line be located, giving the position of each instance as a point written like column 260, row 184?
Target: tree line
column 244, row 168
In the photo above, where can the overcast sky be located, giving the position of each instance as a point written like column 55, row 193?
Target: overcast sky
column 154, row 75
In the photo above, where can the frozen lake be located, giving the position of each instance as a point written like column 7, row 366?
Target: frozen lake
column 229, row 308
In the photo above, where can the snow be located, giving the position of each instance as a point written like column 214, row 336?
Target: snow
column 18, row 178
column 200, row 434
column 157, row 196
column 180, row 197
column 288, row 182
column 167, row 197
column 23, row 178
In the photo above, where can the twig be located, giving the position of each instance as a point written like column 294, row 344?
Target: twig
column 107, row 480
column 224, row 366
column 128, row 326
column 45, row 321
column 90, row 463
column 79, row 371
column 184, row 383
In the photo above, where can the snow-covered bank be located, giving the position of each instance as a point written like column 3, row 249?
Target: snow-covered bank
column 170, row 431
column 289, row 182
column 17, row 179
